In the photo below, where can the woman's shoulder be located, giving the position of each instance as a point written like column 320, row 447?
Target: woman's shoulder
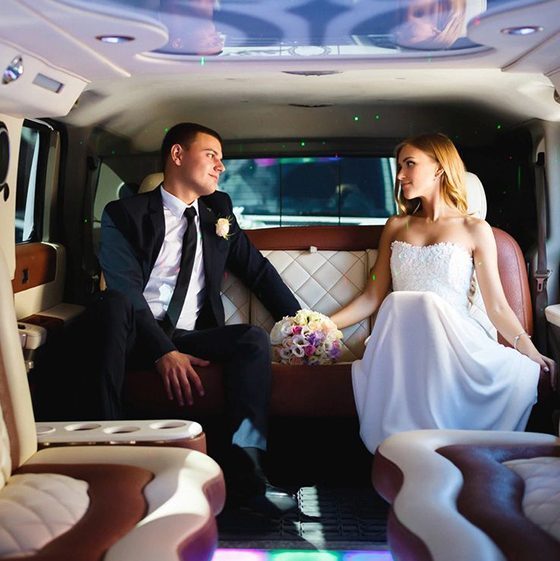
column 476, row 225
column 396, row 221
column 479, row 231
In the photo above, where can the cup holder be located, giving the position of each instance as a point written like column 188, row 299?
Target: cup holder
column 167, row 425
column 120, row 429
column 82, row 426
column 44, row 429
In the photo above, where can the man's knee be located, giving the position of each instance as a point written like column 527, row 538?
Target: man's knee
column 258, row 338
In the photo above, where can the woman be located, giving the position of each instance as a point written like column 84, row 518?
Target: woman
column 428, row 363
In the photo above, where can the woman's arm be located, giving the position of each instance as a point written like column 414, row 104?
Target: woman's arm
column 485, row 257
column 378, row 285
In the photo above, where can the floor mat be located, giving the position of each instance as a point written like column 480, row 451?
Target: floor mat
column 329, row 518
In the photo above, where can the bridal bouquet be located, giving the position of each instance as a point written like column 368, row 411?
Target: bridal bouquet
column 306, row 338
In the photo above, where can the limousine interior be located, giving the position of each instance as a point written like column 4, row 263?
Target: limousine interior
column 310, row 97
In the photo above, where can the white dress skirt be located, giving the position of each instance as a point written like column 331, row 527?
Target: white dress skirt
column 428, row 363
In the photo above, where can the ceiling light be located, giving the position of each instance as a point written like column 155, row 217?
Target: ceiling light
column 522, row 30
column 114, row 39
column 13, row 71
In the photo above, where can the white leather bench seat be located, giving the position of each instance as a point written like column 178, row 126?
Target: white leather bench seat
column 455, row 495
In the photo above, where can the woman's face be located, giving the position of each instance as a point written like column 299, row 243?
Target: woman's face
column 420, row 24
column 417, row 173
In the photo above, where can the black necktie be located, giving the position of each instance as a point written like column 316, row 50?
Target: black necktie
column 184, row 276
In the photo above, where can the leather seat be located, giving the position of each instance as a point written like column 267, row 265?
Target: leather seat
column 88, row 503
column 465, row 495
column 322, row 390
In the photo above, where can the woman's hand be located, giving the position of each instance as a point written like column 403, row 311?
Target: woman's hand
column 549, row 369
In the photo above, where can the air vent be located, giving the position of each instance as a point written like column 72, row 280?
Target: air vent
column 312, row 72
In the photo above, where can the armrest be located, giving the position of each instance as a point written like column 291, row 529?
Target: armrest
column 167, row 432
column 552, row 314
column 31, row 336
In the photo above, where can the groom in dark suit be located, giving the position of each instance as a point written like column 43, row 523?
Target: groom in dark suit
column 163, row 254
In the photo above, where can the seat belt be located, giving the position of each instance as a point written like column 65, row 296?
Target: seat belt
column 541, row 274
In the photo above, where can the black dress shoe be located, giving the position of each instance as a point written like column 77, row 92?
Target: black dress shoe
column 273, row 502
column 268, row 500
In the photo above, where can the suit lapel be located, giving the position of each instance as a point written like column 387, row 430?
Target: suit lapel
column 155, row 223
column 209, row 239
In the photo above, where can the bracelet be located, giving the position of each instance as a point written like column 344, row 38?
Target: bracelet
column 517, row 337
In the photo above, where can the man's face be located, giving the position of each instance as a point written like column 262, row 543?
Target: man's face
column 201, row 164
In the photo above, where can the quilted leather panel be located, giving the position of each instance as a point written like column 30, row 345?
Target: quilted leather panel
column 36, row 508
column 322, row 281
column 236, row 298
column 541, row 501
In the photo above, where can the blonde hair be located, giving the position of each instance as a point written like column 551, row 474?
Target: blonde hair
column 453, row 189
column 449, row 18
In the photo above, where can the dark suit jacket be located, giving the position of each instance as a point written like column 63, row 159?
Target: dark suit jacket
column 132, row 233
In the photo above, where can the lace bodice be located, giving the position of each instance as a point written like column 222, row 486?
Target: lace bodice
column 445, row 268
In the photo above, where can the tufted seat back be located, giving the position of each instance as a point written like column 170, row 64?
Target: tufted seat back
column 94, row 502
column 17, row 426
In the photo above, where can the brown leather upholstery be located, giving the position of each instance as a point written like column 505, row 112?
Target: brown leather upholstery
column 491, row 498
column 513, row 274
column 35, row 265
column 108, row 485
column 471, row 489
column 319, row 390
column 174, row 519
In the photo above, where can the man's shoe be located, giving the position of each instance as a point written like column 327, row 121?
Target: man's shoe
column 273, row 502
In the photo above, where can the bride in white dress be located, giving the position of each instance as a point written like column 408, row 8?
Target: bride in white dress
column 428, row 364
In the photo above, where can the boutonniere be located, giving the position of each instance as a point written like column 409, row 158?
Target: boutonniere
column 222, row 227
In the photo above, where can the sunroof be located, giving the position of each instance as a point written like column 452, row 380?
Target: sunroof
column 312, row 28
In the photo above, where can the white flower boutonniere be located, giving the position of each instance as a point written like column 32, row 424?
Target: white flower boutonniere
column 222, row 227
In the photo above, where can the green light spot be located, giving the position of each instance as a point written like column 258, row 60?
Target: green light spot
column 166, row 130
column 85, row 220
column 356, row 118
column 302, row 143
column 373, row 277
column 304, row 556
column 113, row 152
column 202, row 61
column 377, row 117
column 498, row 126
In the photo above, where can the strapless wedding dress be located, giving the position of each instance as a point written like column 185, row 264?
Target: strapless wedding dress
column 429, row 364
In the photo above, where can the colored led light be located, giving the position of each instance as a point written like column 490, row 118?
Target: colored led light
column 240, row 555
column 295, row 555
column 114, row 39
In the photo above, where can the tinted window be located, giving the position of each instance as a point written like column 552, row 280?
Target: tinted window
column 310, row 190
column 28, row 165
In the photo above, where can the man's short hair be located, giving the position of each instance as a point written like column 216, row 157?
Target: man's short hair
column 184, row 134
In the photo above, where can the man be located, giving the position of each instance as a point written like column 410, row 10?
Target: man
column 163, row 254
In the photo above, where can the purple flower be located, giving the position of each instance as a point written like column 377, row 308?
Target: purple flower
column 309, row 350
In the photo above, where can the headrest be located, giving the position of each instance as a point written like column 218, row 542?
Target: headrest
column 476, row 198
column 150, row 182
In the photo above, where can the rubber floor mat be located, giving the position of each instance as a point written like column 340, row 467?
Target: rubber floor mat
column 328, row 518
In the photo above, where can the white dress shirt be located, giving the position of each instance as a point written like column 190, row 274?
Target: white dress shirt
column 163, row 277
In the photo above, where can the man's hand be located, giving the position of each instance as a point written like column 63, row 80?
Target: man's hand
column 177, row 372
